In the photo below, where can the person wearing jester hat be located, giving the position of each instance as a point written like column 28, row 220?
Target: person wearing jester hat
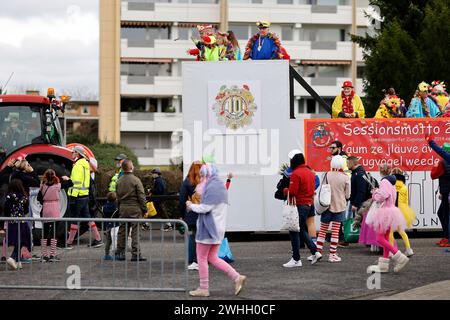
column 439, row 94
column 347, row 104
column 423, row 105
column 204, row 30
column 264, row 45
column 391, row 106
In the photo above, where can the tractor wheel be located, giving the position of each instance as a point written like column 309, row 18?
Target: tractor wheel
column 40, row 165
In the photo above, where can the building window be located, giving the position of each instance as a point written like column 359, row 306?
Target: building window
column 183, row 33
column 132, row 104
column 360, row 72
column 331, row 71
column 85, row 110
column 287, row 32
column 310, row 106
column 241, row 31
column 285, row 1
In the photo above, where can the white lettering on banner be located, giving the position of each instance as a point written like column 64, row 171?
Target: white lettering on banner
column 380, row 129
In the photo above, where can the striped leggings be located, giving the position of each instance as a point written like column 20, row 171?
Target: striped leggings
column 335, row 226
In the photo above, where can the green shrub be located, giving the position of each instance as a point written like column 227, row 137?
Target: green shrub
column 106, row 152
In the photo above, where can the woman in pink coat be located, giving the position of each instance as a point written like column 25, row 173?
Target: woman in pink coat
column 384, row 218
column 50, row 189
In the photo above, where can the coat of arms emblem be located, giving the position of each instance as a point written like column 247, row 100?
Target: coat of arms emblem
column 234, row 106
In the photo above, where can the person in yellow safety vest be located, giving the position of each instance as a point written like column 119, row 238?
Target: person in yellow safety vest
column 79, row 196
column 347, row 104
column 119, row 172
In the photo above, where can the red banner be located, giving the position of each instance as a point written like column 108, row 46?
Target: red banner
column 397, row 142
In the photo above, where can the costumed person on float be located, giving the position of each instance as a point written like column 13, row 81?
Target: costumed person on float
column 204, row 30
column 383, row 218
column 439, row 93
column 264, row 45
column 225, row 45
column 391, row 106
column 402, row 204
column 348, row 104
column 423, row 105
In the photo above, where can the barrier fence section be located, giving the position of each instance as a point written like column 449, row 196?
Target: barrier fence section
column 160, row 256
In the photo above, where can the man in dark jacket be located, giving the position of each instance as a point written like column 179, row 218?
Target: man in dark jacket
column 359, row 186
column 132, row 205
column 159, row 189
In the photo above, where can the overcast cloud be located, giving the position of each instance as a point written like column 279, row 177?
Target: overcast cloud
column 50, row 44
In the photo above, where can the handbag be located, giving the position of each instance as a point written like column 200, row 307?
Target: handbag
column 40, row 196
column 290, row 216
column 351, row 233
column 322, row 198
column 151, row 210
column 225, row 251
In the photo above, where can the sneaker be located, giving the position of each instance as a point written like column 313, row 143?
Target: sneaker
column 316, row 257
column 145, row 227
column 3, row 260
column 26, row 261
column 12, row 263
column 193, row 266
column 19, row 265
column 343, row 244
column 239, row 284
column 292, row 263
column 443, row 240
column 96, row 244
column 199, row 293
column 108, row 258
column 333, row 257
column 138, row 258
column 119, row 257
column 310, row 258
column 168, row 227
column 36, row 257
column 68, row 246
column 54, row 259
column 45, row 259
column 409, row 252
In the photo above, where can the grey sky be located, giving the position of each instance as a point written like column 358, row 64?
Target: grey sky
column 50, row 44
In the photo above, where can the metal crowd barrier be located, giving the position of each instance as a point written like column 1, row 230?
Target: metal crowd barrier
column 84, row 268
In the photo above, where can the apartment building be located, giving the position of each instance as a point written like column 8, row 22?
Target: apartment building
column 143, row 45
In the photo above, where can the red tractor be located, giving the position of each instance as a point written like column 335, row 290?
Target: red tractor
column 30, row 129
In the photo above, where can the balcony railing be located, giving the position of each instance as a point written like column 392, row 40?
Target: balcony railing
column 150, row 121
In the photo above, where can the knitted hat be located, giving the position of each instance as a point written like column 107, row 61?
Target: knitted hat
column 292, row 153
column 392, row 179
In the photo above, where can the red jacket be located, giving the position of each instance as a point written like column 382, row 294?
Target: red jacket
column 302, row 184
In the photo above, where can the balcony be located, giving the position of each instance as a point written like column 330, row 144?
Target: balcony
column 150, row 86
column 296, row 49
column 241, row 12
column 150, row 122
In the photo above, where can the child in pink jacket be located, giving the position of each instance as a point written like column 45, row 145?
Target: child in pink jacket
column 50, row 189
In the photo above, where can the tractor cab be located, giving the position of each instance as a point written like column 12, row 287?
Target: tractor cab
column 29, row 120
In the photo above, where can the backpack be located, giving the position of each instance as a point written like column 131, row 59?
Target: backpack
column 372, row 183
column 281, row 185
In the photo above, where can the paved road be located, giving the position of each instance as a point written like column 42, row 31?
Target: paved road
column 261, row 261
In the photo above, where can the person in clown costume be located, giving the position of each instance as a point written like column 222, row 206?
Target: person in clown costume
column 439, row 93
column 348, row 104
column 423, row 105
column 264, row 45
column 391, row 106
column 204, row 30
